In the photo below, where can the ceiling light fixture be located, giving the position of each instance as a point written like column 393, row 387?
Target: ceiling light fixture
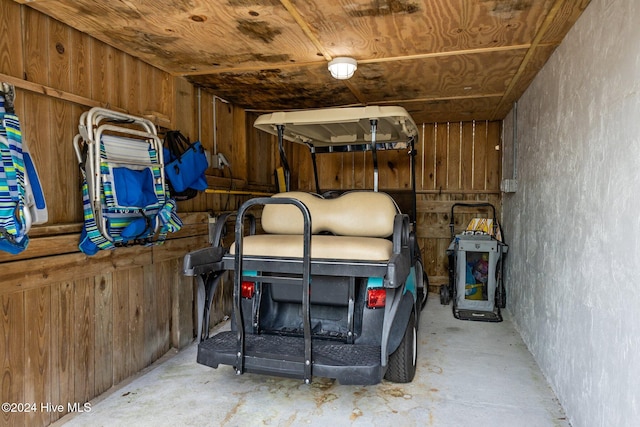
column 342, row 68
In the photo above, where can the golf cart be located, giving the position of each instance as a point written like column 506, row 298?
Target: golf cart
column 333, row 287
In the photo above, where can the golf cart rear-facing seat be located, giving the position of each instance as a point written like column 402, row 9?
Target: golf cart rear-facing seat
column 354, row 226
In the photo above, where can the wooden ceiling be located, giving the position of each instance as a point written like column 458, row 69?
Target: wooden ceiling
column 443, row 60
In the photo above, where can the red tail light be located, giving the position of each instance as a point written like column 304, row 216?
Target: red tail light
column 247, row 289
column 376, row 297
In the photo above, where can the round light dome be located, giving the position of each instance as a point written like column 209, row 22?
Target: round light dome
column 342, row 68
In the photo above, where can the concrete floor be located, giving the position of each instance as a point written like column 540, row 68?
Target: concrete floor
column 469, row 374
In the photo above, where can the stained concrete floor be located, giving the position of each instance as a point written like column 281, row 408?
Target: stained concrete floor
column 468, row 374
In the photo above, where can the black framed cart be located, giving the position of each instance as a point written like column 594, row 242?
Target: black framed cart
column 476, row 259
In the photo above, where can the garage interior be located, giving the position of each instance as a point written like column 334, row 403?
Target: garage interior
column 529, row 105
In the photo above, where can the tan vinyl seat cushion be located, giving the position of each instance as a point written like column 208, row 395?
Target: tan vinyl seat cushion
column 360, row 222
column 357, row 213
column 325, row 247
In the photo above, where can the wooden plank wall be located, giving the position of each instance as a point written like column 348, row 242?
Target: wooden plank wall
column 73, row 326
column 457, row 161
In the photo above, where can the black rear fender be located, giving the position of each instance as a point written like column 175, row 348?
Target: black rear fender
column 400, row 321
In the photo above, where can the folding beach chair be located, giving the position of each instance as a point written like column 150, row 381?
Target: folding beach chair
column 22, row 201
column 125, row 196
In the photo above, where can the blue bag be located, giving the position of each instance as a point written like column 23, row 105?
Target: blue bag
column 186, row 164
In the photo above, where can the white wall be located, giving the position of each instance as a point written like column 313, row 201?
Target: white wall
column 573, row 267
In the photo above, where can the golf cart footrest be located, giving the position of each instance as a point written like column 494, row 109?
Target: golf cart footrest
column 483, row 316
column 283, row 356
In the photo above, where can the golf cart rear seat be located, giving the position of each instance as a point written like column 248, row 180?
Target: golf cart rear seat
column 354, row 226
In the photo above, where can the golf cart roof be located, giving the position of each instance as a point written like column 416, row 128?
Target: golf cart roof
column 341, row 127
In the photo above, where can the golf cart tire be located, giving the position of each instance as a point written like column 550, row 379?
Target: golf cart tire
column 402, row 362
